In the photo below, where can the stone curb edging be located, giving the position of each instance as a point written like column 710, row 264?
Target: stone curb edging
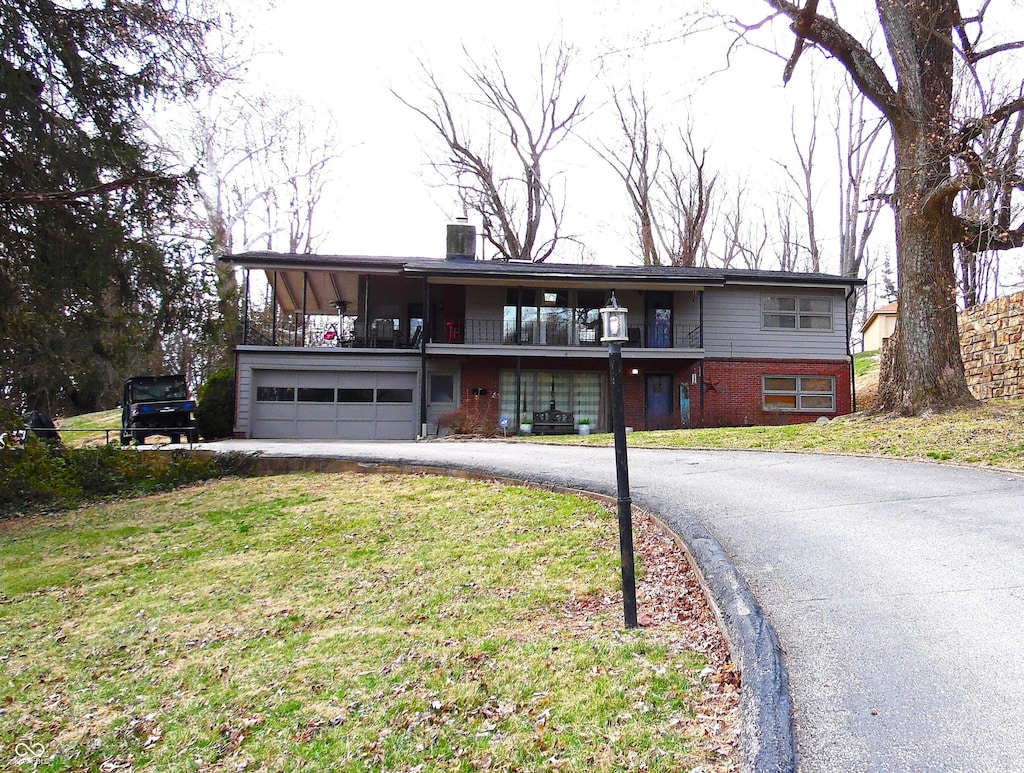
column 767, row 734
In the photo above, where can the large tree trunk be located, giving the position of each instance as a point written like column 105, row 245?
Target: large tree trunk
column 924, row 372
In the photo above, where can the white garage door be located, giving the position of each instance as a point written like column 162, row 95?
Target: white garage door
column 322, row 405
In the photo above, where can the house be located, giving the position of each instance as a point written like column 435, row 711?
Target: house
column 363, row 347
column 879, row 327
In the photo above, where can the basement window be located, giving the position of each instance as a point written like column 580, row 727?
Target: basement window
column 799, row 393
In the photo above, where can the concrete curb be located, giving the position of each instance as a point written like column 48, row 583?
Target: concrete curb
column 768, row 733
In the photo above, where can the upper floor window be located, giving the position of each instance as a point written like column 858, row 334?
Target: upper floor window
column 782, row 312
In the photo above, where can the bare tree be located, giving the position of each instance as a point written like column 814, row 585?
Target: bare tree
column 804, row 184
column 636, row 159
column 506, row 186
column 259, row 164
column 688, row 196
column 923, row 371
column 863, row 151
column 991, row 207
column 670, row 189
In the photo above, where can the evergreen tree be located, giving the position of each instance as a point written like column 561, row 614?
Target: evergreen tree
column 87, row 282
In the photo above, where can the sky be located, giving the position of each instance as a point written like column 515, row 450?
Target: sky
column 384, row 199
column 348, row 57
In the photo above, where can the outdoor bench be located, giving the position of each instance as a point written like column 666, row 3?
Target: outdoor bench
column 553, row 422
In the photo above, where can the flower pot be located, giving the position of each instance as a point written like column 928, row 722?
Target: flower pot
column 526, row 429
column 583, row 429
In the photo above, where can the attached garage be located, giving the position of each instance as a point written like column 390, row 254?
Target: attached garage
column 349, row 405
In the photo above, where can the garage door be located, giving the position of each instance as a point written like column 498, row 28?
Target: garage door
column 323, row 405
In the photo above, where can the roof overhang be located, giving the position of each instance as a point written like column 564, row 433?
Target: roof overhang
column 320, row 284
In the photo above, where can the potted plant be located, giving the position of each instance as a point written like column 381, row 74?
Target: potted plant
column 583, row 426
column 526, row 424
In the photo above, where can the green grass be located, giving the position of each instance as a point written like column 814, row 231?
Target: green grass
column 864, row 363
column 990, row 435
column 337, row 622
column 87, row 429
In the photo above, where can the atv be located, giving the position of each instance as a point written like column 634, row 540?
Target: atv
column 157, row 405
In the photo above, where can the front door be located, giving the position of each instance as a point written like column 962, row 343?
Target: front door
column 659, row 320
column 659, row 401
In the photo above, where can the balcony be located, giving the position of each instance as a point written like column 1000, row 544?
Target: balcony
column 486, row 332
column 483, row 335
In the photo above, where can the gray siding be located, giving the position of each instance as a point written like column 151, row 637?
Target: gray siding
column 732, row 326
column 304, row 360
column 484, row 305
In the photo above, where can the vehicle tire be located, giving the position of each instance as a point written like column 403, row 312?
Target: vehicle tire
column 192, row 435
column 126, row 438
column 174, row 437
column 140, row 437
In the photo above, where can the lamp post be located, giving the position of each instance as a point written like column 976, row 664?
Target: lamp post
column 613, row 324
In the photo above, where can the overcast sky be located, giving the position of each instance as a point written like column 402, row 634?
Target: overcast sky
column 348, row 56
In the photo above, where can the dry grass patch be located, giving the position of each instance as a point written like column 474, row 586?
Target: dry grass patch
column 354, row 623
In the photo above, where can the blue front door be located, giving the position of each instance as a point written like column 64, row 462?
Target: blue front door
column 659, row 401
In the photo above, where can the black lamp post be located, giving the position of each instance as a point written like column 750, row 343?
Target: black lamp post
column 613, row 323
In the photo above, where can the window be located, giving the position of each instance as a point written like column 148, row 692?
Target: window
column 780, row 312
column 355, row 395
column 394, row 395
column 269, row 394
column 442, row 388
column 315, row 395
column 798, row 393
column 582, row 394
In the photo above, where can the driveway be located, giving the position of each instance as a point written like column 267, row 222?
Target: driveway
column 896, row 588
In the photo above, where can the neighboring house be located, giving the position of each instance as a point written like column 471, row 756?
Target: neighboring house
column 878, row 328
column 384, row 347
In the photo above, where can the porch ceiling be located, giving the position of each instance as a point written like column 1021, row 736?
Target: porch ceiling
column 324, row 289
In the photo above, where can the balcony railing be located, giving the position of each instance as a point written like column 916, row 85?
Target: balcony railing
column 320, row 332
column 562, row 334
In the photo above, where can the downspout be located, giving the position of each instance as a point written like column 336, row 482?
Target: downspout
column 245, row 310
column 425, row 320
column 701, row 376
column 849, row 353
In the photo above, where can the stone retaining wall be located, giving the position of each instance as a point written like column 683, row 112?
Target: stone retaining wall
column 993, row 349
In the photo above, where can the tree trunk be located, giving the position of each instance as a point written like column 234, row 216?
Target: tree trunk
column 923, row 371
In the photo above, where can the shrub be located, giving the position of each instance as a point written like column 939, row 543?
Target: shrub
column 40, row 476
column 215, row 413
column 477, row 416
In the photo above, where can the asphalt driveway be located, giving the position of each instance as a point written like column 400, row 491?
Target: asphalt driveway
column 896, row 589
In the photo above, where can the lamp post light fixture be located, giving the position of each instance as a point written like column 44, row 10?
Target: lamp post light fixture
column 614, row 333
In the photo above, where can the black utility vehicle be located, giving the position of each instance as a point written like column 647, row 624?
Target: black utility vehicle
column 157, row 405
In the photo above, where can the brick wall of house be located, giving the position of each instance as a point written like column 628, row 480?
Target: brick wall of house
column 732, row 390
column 992, row 347
column 732, row 395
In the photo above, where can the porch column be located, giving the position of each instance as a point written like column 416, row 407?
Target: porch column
column 424, row 319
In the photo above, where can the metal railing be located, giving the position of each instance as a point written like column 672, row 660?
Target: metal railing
column 479, row 332
column 16, row 442
column 563, row 334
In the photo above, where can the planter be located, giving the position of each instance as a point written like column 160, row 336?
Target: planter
column 525, row 429
column 583, row 429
